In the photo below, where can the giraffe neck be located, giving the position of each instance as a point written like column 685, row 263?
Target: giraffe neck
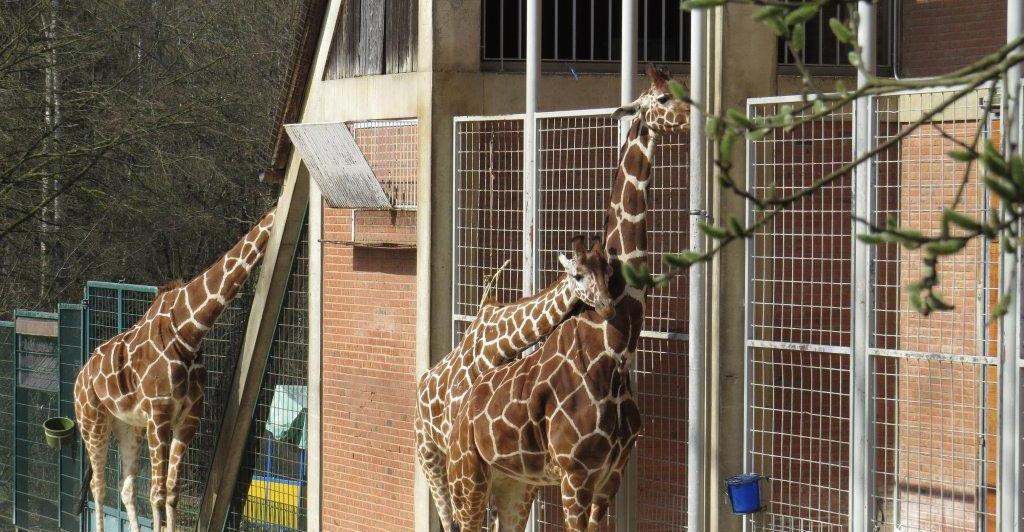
column 509, row 329
column 625, row 223
column 198, row 304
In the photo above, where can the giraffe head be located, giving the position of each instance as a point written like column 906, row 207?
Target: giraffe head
column 659, row 110
column 589, row 272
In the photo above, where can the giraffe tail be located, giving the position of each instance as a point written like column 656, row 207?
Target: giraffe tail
column 83, row 494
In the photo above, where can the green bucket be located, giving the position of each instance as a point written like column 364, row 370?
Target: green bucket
column 59, row 431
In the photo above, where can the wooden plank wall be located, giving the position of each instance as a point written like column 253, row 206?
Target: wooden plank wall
column 374, row 37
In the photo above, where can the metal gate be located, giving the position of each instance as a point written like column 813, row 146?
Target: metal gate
column 36, row 468
column 932, row 412
column 577, row 155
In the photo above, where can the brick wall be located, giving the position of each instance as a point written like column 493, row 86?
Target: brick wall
column 369, row 382
column 941, row 35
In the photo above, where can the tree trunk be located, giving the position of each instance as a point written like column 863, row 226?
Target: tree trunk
column 51, row 214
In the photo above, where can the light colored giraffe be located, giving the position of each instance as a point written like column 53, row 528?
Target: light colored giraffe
column 497, row 335
column 565, row 414
column 150, row 380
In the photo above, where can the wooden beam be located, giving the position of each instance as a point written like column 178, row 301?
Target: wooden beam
column 259, row 335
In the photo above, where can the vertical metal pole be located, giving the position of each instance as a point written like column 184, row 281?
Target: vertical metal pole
column 530, row 170
column 530, row 143
column 625, row 500
column 695, row 481
column 1009, row 344
column 861, row 417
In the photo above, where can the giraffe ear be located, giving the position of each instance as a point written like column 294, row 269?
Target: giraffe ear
column 567, row 265
column 625, row 110
column 579, row 246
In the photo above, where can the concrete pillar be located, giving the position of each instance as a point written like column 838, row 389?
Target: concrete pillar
column 743, row 64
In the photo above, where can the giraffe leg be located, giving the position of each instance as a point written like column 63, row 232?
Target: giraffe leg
column 434, row 462
column 183, row 434
column 129, row 439
column 467, row 480
column 512, row 501
column 96, row 435
column 159, row 438
column 576, row 498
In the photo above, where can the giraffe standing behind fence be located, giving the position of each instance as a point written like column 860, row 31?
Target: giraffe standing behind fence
column 565, row 415
column 497, row 335
column 150, row 380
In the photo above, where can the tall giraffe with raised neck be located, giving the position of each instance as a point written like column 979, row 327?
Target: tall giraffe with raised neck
column 565, row 414
column 498, row 334
column 150, row 380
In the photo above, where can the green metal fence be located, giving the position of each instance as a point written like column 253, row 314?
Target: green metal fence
column 271, row 490
column 70, row 357
column 6, row 424
column 36, row 387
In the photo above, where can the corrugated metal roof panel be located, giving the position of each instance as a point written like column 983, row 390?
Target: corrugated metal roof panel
column 338, row 166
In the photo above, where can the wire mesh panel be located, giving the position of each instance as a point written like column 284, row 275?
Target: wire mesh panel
column 6, row 423
column 70, row 345
column 390, row 149
column 936, row 380
column 934, row 409
column 577, row 155
column 799, row 298
column 271, row 490
column 36, row 469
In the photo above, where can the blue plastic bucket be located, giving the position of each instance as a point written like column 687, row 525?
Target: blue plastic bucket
column 745, row 493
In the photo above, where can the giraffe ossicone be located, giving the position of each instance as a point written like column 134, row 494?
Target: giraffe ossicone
column 149, row 381
column 565, row 414
column 497, row 335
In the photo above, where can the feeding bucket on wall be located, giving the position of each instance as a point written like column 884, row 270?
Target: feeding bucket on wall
column 59, row 431
column 746, row 493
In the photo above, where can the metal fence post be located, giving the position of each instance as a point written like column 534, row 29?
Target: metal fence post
column 861, row 415
column 1009, row 341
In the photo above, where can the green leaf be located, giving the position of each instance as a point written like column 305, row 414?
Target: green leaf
column 758, row 134
column 994, row 161
column 684, row 259
column 701, row 4
column 737, row 116
column 1017, row 171
column 918, row 303
column 639, row 277
column 854, row 58
column 799, row 37
column 802, row 14
column 1002, row 306
column 778, row 26
column 873, row 238
column 713, row 231
column 842, row 32
column 768, row 12
column 725, row 147
column 736, row 227
column 945, row 247
column 962, row 220
column 840, row 86
column 678, row 90
column 1001, row 187
column 936, row 302
column 713, row 127
column 964, row 156
column 819, row 107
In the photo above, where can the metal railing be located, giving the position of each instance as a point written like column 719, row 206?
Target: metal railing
column 933, row 405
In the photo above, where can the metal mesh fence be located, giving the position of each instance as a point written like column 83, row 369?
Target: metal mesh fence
column 936, row 393
column 577, row 155
column 36, row 469
column 69, row 338
column 799, row 325
column 390, row 149
column 6, row 423
column 271, row 489
column 933, row 414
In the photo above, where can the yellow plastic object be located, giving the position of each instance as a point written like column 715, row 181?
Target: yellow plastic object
column 273, row 502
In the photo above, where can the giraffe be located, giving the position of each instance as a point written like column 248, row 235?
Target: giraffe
column 565, row 414
column 149, row 380
column 498, row 334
